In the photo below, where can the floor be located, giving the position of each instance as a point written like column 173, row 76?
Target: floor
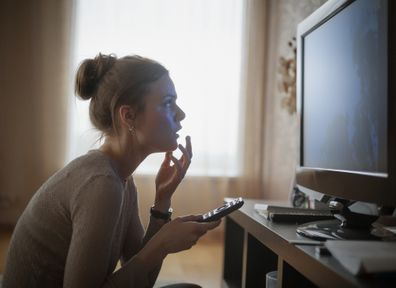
column 202, row 264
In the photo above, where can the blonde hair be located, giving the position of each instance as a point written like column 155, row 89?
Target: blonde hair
column 110, row 82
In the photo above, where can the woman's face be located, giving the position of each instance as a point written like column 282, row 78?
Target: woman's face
column 157, row 125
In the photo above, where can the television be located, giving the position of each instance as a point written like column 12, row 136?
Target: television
column 346, row 106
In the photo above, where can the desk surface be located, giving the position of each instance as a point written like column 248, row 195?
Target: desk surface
column 279, row 237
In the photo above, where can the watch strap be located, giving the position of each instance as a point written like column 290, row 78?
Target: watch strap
column 161, row 215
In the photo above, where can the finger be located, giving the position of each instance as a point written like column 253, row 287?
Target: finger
column 177, row 165
column 190, row 218
column 210, row 225
column 205, row 227
column 186, row 154
column 167, row 159
column 185, row 158
column 214, row 224
column 188, row 146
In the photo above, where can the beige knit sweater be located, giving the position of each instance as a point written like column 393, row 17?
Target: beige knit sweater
column 75, row 229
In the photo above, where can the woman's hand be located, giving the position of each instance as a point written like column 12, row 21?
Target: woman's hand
column 183, row 232
column 169, row 176
column 177, row 235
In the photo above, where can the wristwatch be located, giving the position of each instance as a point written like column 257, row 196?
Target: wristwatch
column 161, row 215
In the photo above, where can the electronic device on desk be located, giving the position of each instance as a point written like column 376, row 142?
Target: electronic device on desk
column 346, row 104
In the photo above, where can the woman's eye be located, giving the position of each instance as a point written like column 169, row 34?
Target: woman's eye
column 168, row 103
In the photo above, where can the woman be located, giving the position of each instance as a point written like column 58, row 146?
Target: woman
column 85, row 217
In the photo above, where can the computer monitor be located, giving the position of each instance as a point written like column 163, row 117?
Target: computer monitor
column 346, row 101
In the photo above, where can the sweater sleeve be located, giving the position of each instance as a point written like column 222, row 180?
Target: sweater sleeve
column 95, row 210
column 136, row 237
column 94, row 214
column 135, row 231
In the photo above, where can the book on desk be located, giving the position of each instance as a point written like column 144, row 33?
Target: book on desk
column 292, row 214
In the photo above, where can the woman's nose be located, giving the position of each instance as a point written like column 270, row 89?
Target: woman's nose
column 180, row 115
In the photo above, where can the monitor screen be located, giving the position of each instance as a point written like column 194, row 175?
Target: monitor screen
column 345, row 91
column 344, row 101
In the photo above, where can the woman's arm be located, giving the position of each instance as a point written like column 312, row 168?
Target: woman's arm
column 133, row 244
column 177, row 235
column 170, row 174
column 94, row 213
column 154, row 226
column 136, row 238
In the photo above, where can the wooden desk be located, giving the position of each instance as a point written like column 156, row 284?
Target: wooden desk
column 255, row 246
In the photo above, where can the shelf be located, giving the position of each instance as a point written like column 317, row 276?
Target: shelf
column 255, row 246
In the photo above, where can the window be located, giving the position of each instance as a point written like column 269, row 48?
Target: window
column 199, row 41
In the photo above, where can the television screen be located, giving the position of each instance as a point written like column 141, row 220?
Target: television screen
column 345, row 101
column 345, row 93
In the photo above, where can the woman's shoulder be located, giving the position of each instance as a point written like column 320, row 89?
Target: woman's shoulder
column 92, row 157
column 93, row 164
column 81, row 174
column 95, row 179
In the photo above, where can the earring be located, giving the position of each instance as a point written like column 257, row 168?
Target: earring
column 131, row 129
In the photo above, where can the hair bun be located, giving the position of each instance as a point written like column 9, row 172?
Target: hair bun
column 90, row 73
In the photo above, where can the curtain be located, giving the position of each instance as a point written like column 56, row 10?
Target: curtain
column 199, row 41
column 198, row 194
column 37, row 75
column 34, row 85
column 215, row 53
column 268, row 137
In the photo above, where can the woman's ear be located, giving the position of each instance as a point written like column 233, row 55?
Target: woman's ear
column 127, row 116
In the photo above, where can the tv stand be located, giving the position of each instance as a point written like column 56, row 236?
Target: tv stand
column 254, row 246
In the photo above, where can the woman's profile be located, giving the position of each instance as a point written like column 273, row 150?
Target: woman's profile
column 85, row 218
